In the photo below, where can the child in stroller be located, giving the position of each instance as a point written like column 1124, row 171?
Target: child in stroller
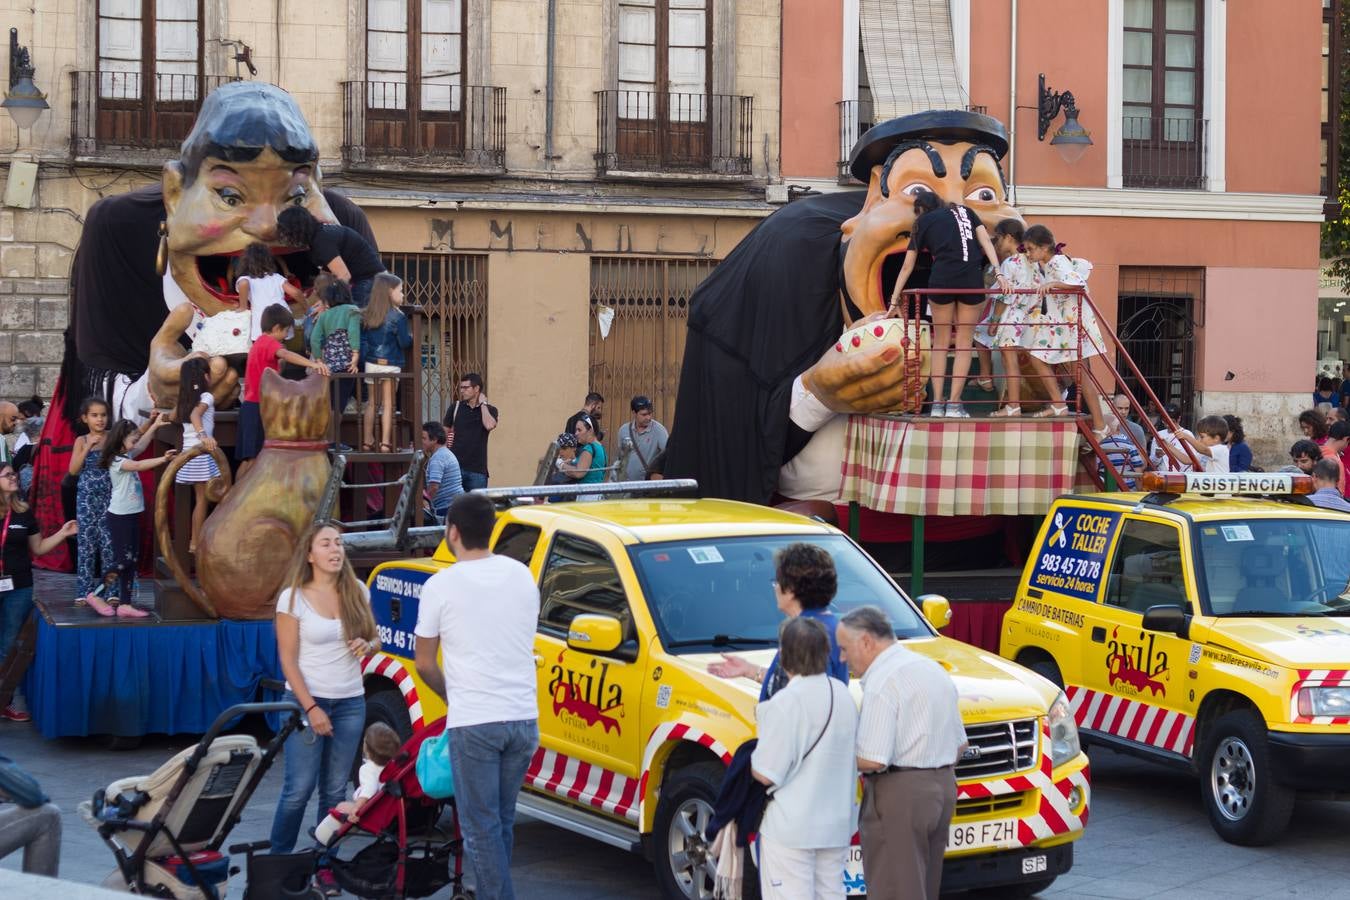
column 379, row 746
column 411, row 853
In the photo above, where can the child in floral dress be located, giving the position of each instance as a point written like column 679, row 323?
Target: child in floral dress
column 1055, row 334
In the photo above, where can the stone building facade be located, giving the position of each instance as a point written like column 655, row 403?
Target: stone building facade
column 531, row 168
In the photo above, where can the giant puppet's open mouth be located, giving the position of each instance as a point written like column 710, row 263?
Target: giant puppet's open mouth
column 218, row 273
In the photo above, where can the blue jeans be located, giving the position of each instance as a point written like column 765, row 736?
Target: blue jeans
column 15, row 606
column 325, row 762
column 489, row 762
column 472, row 481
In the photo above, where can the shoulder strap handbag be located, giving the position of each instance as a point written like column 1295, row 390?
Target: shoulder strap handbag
column 642, row 457
column 824, row 728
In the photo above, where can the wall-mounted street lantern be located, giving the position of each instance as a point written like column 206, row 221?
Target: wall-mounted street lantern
column 1072, row 139
column 23, row 101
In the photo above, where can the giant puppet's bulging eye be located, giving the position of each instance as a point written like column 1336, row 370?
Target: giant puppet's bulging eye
column 982, row 195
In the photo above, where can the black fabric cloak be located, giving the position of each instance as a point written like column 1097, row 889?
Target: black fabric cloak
column 764, row 316
column 117, row 295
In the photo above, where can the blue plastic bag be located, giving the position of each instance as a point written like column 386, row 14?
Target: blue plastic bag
column 433, row 767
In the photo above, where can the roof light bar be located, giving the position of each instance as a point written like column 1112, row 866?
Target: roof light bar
column 1236, row 483
column 667, row 488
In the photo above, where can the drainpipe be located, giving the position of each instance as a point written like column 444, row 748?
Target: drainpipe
column 548, row 82
column 1012, row 109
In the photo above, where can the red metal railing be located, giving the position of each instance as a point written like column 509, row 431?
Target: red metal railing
column 1080, row 370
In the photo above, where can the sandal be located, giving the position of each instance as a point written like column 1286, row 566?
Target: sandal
column 98, row 605
column 1007, row 412
column 367, row 447
column 1053, row 411
column 386, row 448
column 985, row 383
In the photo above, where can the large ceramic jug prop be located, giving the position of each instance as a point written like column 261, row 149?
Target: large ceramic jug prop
column 248, row 540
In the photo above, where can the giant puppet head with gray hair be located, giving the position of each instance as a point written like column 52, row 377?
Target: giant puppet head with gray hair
column 771, row 312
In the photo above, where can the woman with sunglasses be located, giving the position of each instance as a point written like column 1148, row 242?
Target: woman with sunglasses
column 20, row 541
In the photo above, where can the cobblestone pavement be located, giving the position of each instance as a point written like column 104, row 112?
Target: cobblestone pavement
column 1148, row 835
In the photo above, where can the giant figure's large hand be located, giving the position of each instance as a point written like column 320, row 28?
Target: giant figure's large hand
column 167, row 355
column 867, row 380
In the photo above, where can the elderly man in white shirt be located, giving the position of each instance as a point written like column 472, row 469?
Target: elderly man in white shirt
column 910, row 736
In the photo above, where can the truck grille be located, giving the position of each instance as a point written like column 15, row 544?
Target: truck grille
column 998, row 748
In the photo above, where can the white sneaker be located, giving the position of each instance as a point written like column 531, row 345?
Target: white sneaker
column 938, row 410
column 957, row 411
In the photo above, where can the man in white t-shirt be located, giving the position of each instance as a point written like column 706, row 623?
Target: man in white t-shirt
column 481, row 613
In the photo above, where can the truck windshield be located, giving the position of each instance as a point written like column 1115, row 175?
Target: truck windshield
column 1276, row 567
column 718, row 592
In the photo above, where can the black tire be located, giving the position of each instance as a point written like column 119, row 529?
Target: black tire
column 1046, row 668
column 689, row 795
column 388, row 707
column 1245, row 804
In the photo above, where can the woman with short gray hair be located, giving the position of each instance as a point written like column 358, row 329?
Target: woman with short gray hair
column 805, row 756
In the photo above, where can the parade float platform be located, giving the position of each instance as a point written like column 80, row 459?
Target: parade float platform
column 163, row 674
column 922, row 479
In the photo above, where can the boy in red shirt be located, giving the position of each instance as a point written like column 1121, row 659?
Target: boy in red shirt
column 266, row 353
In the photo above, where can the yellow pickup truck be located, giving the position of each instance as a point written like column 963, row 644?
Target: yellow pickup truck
column 637, row 597
column 1202, row 624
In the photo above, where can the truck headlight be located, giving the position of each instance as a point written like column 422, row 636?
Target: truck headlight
column 1063, row 732
column 1324, row 701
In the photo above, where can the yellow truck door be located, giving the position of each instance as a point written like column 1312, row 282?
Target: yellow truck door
column 588, row 701
column 1134, row 681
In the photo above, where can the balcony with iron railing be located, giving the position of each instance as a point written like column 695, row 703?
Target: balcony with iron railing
column 1163, row 152
column 429, row 126
column 855, row 117
column 131, row 117
column 701, row 137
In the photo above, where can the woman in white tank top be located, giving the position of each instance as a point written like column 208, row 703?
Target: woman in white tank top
column 324, row 629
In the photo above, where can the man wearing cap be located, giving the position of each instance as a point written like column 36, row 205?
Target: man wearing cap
column 642, row 441
column 762, row 395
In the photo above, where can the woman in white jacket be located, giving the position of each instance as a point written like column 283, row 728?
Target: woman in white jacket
column 806, row 757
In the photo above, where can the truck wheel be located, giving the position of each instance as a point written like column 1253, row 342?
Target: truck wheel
column 1049, row 670
column 685, row 866
column 1244, row 803
column 388, row 707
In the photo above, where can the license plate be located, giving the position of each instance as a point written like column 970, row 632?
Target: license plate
column 1034, row 865
column 854, row 883
column 987, row 833
column 965, row 836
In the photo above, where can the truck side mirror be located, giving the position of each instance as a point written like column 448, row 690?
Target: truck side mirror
column 1169, row 619
column 594, row 633
column 936, row 610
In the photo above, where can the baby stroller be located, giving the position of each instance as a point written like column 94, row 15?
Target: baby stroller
column 166, row 829
column 411, row 854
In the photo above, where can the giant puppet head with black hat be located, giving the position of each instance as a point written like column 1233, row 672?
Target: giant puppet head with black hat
column 762, row 325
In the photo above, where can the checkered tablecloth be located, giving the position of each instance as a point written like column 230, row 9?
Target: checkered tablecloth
column 958, row 467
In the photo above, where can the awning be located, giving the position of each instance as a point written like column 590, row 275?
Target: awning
column 910, row 57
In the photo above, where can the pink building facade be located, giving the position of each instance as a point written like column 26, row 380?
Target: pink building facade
column 1199, row 201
